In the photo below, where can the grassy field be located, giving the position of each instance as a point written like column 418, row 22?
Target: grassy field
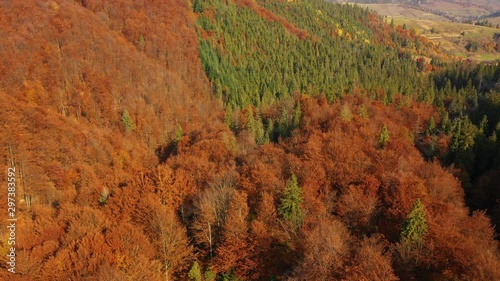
column 491, row 5
column 450, row 36
column 494, row 21
column 456, row 9
column 402, row 11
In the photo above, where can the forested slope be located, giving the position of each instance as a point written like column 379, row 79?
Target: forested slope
column 241, row 140
column 89, row 91
column 107, row 85
column 251, row 57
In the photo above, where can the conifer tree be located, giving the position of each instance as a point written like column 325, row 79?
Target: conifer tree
column 260, row 134
column 209, row 275
column 431, row 126
column 414, row 227
column 345, row 113
column 178, row 134
column 296, row 116
column 363, row 112
column 283, row 123
column 383, row 138
column 194, row 273
column 128, row 123
column 290, row 208
column 141, row 42
column 250, row 122
column 445, row 122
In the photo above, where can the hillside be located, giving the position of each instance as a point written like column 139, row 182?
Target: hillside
column 455, row 10
column 90, row 91
column 461, row 29
column 242, row 140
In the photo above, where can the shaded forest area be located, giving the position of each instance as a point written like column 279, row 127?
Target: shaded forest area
column 246, row 140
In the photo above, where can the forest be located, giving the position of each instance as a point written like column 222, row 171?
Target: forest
column 242, row 140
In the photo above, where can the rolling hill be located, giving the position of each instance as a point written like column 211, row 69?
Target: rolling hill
column 241, row 140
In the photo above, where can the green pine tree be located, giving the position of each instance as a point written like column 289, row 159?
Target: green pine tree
column 345, row 113
column 431, row 126
column 415, row 226
column 141, row 42
column 363, row 112
column 297, row 113
column 290, row 208
column 178, row 134
column 128, row 123
column 383, row 138
column 250, row 122
column 259, row 131
column 209, row 275
column 194, row 273
column 445, row 122
column 284, row 123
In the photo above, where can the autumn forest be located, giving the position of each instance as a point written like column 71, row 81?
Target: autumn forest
column 241, row 140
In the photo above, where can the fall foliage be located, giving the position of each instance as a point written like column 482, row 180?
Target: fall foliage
column 170, row 140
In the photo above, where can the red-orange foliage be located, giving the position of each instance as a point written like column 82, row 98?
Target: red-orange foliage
column 68, row 70
column 83, row 258
column 235, row 249
column 358, row 207
column 266, row 236
column 325, row 251
column 93, row 202
column 371, row 262
column 166, row 234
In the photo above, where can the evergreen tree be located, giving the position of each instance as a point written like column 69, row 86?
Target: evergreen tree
column 445, row 122
column 128, row 123
column 296, row 116
column 284, row 128
column 141, row 42
column 383, row 138
column 198, row 6
column 178, row 134
column 431, row 126
column 260, row 134
column 255, row 126
column 209, row 275
column 363, row 112
column 269, row 134
column 290, row 208
column 414, row 227
column 195, row 272
column 345, row 113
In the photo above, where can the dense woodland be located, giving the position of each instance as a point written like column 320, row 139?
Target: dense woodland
column 243, row 140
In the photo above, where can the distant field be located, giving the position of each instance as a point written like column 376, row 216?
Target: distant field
column 400, row 10
column 453, row 7
column 450, row 36
column 492, row 5
column 494, row 21
column 456, row 9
